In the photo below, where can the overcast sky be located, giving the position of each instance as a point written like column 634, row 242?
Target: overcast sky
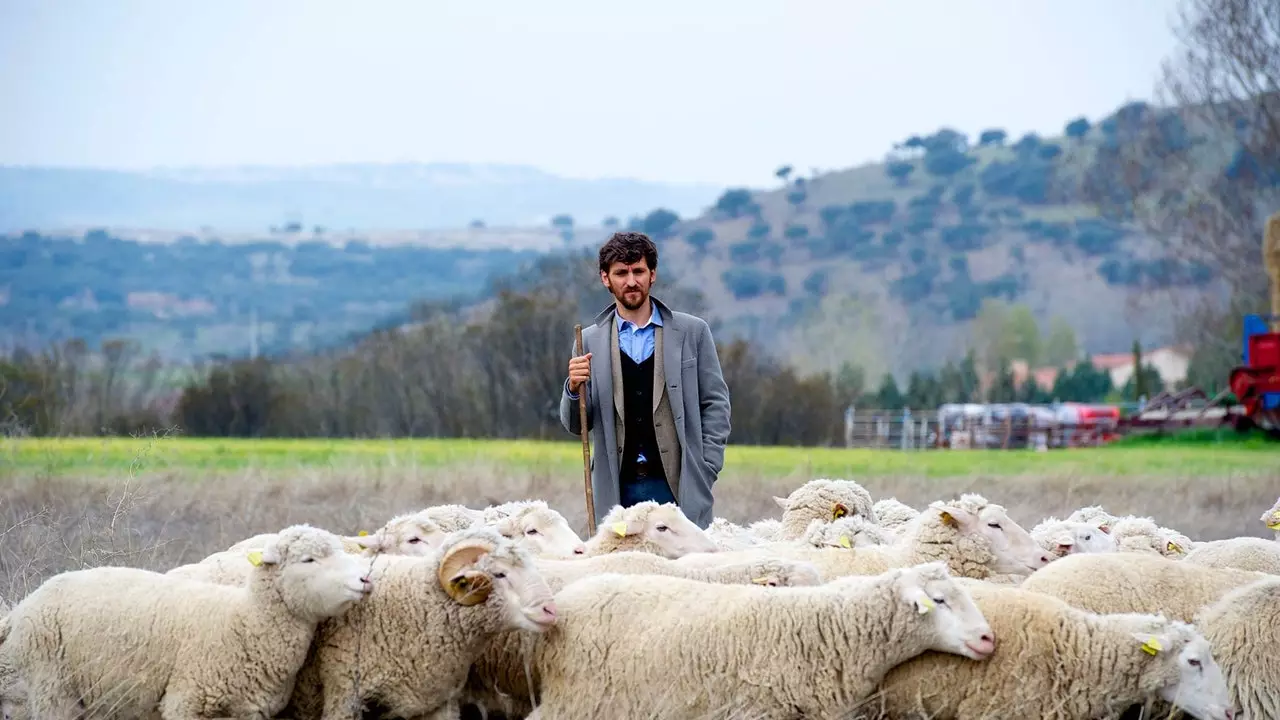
column 691, row 90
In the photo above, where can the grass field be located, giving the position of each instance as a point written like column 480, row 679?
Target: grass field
column 163, row 501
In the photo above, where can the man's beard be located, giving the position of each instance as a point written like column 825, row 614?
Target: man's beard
column 628, row 304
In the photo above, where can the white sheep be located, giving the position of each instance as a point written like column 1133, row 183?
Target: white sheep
column 1064, row 537
column 1094, row 515
column 649, row 527
column 407, row 649
column 1060, row 662
column 1271, row 519
column 130, row 642
column 1135, row 582
column 976, row 538
column 500, row 680
column 852, row 531
column 1241, row 553
column 541, row 529
column 894, row 515
column 630, row 646
column 728, row 535
column 1244, row 629
column 1142, row 534
column 822, row 499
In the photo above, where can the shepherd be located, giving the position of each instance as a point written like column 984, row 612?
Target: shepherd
column 661, row 386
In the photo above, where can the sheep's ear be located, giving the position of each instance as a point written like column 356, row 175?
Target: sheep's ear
column 364, row 541
column 954, row 517
column 838, row 510
column 620, row 528
column 265, row 556
column 1064, row 542
column 916, row 595
column 1151, row 644
column 782, row 502
column 1173, row 547
column 1105, row 527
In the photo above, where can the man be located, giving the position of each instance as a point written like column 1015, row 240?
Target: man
column 658, row 406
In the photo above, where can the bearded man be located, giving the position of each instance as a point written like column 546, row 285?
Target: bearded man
column 658, row 406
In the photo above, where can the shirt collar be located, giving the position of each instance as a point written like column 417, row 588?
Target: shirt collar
column 655, row 317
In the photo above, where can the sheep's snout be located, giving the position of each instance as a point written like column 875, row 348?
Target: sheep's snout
column 984, row 646
column 580, row 550
column 543, row 615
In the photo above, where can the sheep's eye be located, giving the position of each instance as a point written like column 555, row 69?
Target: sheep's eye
column 1087, row 538
column 308, row 560
column 531, row 531
column 499, row 574
column 995, row 525
column 662, row 528
column 940, row 601
column 415, row 540
column 1193, row 662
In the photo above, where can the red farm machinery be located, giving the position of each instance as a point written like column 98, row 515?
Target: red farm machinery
column 1256, row 383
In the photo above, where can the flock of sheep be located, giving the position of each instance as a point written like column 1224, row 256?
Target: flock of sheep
column 842, row 607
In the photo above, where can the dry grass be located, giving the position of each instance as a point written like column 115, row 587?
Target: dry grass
column 161, row 518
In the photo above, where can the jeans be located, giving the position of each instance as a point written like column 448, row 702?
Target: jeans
column 639, row 490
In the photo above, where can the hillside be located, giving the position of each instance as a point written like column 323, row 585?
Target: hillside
column 887, row 264
column 367, row 197
column 884, row 265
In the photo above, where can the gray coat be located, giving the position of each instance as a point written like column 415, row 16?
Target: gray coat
column 699, row 403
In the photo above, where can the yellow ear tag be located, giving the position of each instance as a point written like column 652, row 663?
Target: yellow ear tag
column 838, row 511
column 255, row 557
column 926, row 605
column 1275, row 521
column 844, row 542
column 362, row 533
column 1151, row 646
column 620, row 528
column 1173, row 547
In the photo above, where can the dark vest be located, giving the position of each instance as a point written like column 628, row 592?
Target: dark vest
column 637, row 391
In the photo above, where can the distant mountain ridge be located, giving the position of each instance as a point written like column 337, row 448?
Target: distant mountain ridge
column 367, row 196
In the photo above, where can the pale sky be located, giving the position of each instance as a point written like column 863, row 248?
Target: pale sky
column 722, row 91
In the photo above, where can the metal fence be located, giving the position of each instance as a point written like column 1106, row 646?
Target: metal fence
column 986, row 426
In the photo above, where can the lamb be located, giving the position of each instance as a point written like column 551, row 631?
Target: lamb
column 1244, row 629
column 649, row 527
column 131, row 642
column 1271, row 519
column 537, row 526
column 1241, row 553
column 894, row 515
column 852, row 531
column 822, row 499
column 1129, row 582
column 1141, row 534
column 1056, row 661
column 743, row 650
column 976, row 539
column 407, row 649
column 1063, row 537
column 500, row 681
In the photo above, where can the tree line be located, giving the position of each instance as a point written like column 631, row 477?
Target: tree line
column 467, row 372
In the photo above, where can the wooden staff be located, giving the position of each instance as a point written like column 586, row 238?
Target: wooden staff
column 586, row 442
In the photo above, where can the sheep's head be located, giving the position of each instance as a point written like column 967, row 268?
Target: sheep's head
column 316, row 577
column 536, row 526
column 1096, row 516
column 1068, row 537
column 1179, row 665
column 956, row 623
column 1012, row 549
column 410, row 534
column 848, row 532
column 478, row 562
column 826, row 500
column 1141, row 534
column 649, row 527
column 1173, row 543
column 1271, row 519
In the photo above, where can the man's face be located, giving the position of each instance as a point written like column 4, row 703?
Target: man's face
column 629, row 283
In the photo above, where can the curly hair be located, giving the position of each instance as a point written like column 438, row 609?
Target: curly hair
column 628, row 247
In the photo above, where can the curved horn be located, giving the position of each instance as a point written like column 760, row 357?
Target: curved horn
column 466, row 586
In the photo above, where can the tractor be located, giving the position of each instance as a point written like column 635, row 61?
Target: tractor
column 1256, row 383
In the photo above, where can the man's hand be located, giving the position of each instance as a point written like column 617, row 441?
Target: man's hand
column 579, row 372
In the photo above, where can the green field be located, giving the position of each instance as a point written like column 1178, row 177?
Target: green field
column 112, row 456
